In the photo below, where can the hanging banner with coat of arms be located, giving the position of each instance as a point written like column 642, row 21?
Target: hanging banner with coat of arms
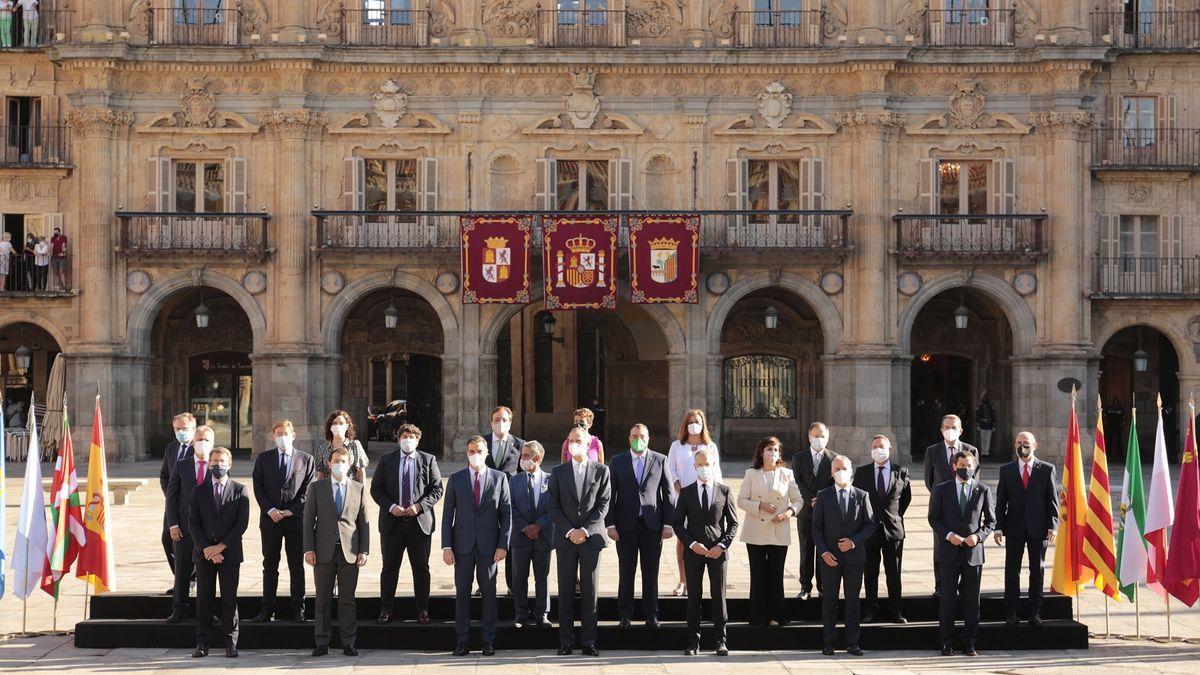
column 664, row 257
column 495, row 258
column 581, row 260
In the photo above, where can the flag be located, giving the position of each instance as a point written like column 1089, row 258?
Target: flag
column 1099, row 553
column 66, row 513
column 1160, row 511
column 96, row 562
column 31, row 550
column 1069, row 571
column 3, row 497
column 1131, row 546
column 1182, row 577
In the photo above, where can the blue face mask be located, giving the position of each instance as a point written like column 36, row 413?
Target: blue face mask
column 185, row 435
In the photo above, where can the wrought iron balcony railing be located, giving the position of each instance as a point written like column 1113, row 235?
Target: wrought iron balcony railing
column 969, row 27
column 1002, row 237
column 1130, row 277
column 195, row 26
column 53, row 26
column 1145, row 148
column 222, row 234
column 581, row 27
column 779, row 29
column 385, row 27
column 35, row 145
column 1147, row 30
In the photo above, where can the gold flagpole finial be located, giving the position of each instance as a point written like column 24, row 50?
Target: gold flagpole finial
column 1159, row 400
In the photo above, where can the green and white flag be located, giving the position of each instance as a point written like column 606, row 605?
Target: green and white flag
column 1131, row 545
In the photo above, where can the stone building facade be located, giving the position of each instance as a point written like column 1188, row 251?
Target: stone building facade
column 869, row 175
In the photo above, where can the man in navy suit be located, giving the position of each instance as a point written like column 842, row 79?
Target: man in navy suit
column 962, row 518
column 842, row 523
column 476, row 526
column 504, row 454
column 639, row 519
column 218, row 514
column 185, row 476
column 812, row 471
column 532, row 536
column 888, row 485
column 184, row 428
column 280, row 477
column 939, row 467
column 1026, row 521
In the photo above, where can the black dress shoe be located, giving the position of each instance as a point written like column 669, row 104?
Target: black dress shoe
column 1010, row 621
column 868, row 616
column 298, row 614
column 564, row 650
column 854, row 650
column 350, row 650
column 264, row 615
column 625, row 624
column 722, row 650
column 828, row 651
column 539, row 622
column 970, row 651
column 461, row 650
column 199, row 652
column 1036, row 621
column 423, row 617
column 690, row 651
column 519, row 623
column 384, row 617
column 175, row 617
column 488, row 649
column 899, row 617
column 591, row 651
column 477, row 594
column 803, row 595
column 653, row 624
column 231, row 652
column 947, row 650
column 320, row 651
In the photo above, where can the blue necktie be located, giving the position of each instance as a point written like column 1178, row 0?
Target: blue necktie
column 641, row 463
column 338, row 500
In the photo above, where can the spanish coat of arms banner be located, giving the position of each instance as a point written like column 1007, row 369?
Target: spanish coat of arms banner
column 495, row 258
column 664, row 257
column 581, row 260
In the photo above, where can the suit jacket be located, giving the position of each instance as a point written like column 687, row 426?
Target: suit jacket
column 649, row 500
column 830, row 525
column 782, row 493
column 811, row 483
column 525, row 514
column 468, row 529
column 569, row 512
column 715, row 527
column 282, row 493
column 386, row 489
column 1031, row 512
column 889, row 507
column 510, row 462
column 945, row 516
column 170, row 456
column 326, row 531
column 179, row 492
column 210, row 523
column 937, row 467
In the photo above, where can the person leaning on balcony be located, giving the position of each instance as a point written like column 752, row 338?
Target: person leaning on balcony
column 6, row 252
column 26, row 268
column 58, row 258
column 29, row 19
column 41, row 263
column 6, row 17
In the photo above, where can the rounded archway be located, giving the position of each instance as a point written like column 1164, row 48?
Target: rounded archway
column 27, row 353
column 1139, row 363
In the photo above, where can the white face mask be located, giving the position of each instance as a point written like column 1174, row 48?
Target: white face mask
column 770, row 459
column 577, row 450
column 339, row 430
column 704, row 473
column 203, row 447
column 283, row 442
column 528, row 465
column 338, row 469
column 476, row 460
column 695, row 428
column 408, row 445
column 951, row 435
column 842, row 477
column 880, row 455
column 817, row 442
column 501, row 428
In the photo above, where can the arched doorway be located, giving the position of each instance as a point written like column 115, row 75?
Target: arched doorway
column 27, row 353
column 1138, row 364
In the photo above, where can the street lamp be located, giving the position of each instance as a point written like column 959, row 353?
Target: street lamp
column 961, row 315
column 391, row 316
column 771, row 317
column 548, row 324
column 24, row 356
column 1141, row 360
column 201, row 315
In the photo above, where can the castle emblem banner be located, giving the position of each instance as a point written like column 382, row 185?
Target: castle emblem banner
column 581, row 260
column 495, row 258
column 664, row 258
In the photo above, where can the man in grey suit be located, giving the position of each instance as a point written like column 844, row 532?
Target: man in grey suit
column 336, row 542
column 842, row 523
column 476, row 525
column 812, row 469
column 939, row 468
column 532, row 535
column 579, row 497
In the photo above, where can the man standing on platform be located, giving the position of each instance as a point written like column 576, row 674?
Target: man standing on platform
column 281, row 477
column 1026, row 522
column 407, row 486
column 639, row 519
column 962, row 518
column 706, row 521
column 532, row 536
column 184, row 428
column 185, row 476
column 504, row 454
column 939, row 468
column 218, row 515
column 887, row 485
column 842, row 523
column 812, row 469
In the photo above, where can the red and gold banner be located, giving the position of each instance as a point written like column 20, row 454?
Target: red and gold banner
column 664, row 257
column 581, row 261
column 495, row 258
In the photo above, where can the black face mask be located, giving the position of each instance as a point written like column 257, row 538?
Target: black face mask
column 962, row 473
column 1024, row 451
column 219, row 471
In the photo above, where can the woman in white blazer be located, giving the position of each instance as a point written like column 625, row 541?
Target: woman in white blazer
column 770, row 498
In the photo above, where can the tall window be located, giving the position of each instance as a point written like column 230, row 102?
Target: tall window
column 1139, row 16
column 778, row 12
column 969, row 12
column 391, row 184
column 204, row 12
column 1138, row 243
column 760, row 386
column 582, row 185
column 381, row 12
column 593, row 13
column 1139, row 118
column 199, row 186
column 543, row 367
column 963, row 187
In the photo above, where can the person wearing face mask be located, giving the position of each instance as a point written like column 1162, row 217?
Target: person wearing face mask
column 1026, row 523
column 185, row 476
column 183, row 427
column 504, row 449
column 532, row 537
column 842, row 523
column 340, row 433
column 218, row 514
column 693, row 435
column 887, row 484
column 476, row 528
column 939, row 466
column 706, row 521
column 595, row 449
column 639, row 519
column 812, row 468
column 336, row 542
column 280, row 477
column 770, row 497
column 962, row 518
column 579, row 496
column 406, row 486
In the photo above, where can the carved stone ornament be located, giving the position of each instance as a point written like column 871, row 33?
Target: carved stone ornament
column 447, row 282
column 832, row 283
column 1139, row 192
column 774, row 104
column 390, row 104
column 582, row 104
column 89, row 122
column 333, row 282
column 909, row 283
column 507, row 19
column 1077, row 119
column 255, row 282
column 287, row 122
column 966, row 106
column 657, row 19
column 1025, row 283
column 717, row 283
column 197, row 105
column 137, row 281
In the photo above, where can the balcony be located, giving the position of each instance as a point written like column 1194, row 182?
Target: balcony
column 221, row 235
column 581, row 27
column 1147, row 31
column 385, row 27
column 978, row 237
column 778, row 29
column 195, row 26
column 1129, row 277
column 1162, row 149
column 35, row 146
column 969, row 27
column 54, row 26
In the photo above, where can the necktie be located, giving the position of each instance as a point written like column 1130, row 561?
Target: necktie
column 962, row 499
column 879, row 482
column 704, row 497
column 476, row 489
column 497, row 451
column 578, row 481
column 845, row 506
column 338, row 500
column 200, row 472
column 1025, row 477
column 405, row 489
column 641, row 466
column 185, row 451
column 217, row 495
column 283, row 464
column 532, row 492
column 816, row 463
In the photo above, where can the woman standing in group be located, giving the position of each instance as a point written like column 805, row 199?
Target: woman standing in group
column 693, row 435
column 6, row 252
column 770, row 498
column 584, row 418
column 339, row 433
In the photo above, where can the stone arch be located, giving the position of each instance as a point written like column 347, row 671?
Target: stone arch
column 1020, row 316
column 826, row 311
column 141, row 319
column 1179, row 340
column 41, row 321
column 339, row 309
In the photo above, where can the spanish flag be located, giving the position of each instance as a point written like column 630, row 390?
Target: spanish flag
column 1099, row 551
column 96, row 564
column 1069, row 571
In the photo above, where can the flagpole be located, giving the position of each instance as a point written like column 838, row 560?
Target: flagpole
column 1107, row 632
column 1137, row 608
column 1168, row 617
column 54, row 621
column 86, row 587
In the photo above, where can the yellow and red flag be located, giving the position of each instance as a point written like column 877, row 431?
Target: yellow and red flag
column 1099, row 549
column 96, row 565
column 1069, row 571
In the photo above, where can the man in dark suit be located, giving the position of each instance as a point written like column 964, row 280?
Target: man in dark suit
column 504, row 454
column 706, row 522
column 813, row 472
column 184, row 428
column 407, row 486
column 185, row 476
column 218, row 514
column 842, row 523
column 1026, row 522
column 939, row 467
column 962, row 518
column 639, row 519
column 281, row 477
column 476, row 527
column 887, row 484
column 579, row 501
column 532, row 537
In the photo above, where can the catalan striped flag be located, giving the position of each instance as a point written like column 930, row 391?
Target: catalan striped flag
column 1069, row 572
column 1099, row 550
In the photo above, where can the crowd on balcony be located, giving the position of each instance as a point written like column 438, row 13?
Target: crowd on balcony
column 29, row 270
column 18, row 23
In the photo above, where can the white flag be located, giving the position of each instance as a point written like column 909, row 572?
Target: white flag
column 31, row 551
column 1160, row 511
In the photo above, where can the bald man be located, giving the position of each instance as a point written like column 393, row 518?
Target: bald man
column 1026, row 522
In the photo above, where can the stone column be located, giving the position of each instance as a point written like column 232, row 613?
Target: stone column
column 292, row 18
column 1067, row 23
column 94, row 20
column 865, row 22
column 467, row 30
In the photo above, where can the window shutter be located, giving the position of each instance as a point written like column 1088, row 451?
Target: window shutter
column 158, row 184
column 236, row 197
column 737, row 176
column 354, row 178
column 927, row 187
column 816, row 196
column 1112, row 111
column 1167, row 115
column 546, row 180
column 1171, row 243
column 51, row 221
column 1004, row 186
column 430, row 188
column 620, row 184
column 1110, row 236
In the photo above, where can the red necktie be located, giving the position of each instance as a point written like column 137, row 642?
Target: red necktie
column 199, row 472
column 1025, row 476
column 476, row 489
